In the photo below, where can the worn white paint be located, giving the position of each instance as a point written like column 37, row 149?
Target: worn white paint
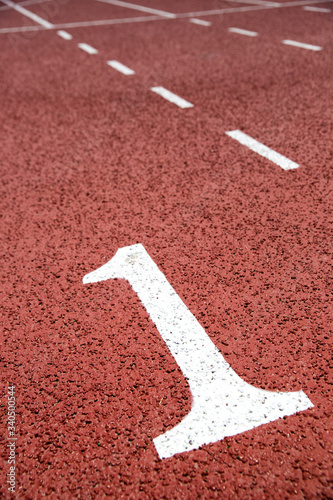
column 121, row 68
column 64, row 35
column 302, row 45
column 171, row 97
column 87, row 48
column 263, row 150
column 222, row 403
column 240, row 31
column 27, row 13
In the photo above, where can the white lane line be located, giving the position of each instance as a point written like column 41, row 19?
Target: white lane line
column 64, row 35
column 169, row 96
column 140, row 8
column 87, row 48
column 200, row 22
column 259, row 2
column 262, row 150
column 243, row 32
column 29, row 14
column 316, row 9
column 302, row 45
column 121, row 67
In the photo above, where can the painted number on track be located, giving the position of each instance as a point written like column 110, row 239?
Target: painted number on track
column 222, row 403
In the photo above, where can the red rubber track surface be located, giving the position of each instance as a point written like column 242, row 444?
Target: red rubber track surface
column 92, row 161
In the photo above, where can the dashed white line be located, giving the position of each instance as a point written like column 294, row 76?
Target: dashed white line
column 262, row 150
column 64, row 35
column 87, row 48
column 140, row 8
column 27, row 13
column 316, row 9
column 243, row 32
column 301, row 45
column 169, row 96
column 121, row 67
column 200, row 22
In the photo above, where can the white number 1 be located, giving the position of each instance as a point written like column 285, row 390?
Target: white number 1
column 222, row 403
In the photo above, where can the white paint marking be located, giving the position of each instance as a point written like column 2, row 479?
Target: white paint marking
column 316, row 9
column 200, row 22
column 87, row 48
column 302, row 45
column 121, row 67
column 140, row 8
column 262, row 150
column 169, row 96
column 28, row 14
column 243, row 32
column 222, row 403
column 64, row 35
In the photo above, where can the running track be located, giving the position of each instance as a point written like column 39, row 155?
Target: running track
column 95, row 159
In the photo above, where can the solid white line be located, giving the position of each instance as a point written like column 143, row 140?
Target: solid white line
column 243, row 32
column 87, row 48
column 200, row 22
column 21, row 29
column 107, row 22
column 64, row 35
column 27, row 2
column 140, row 8
column 316, row 9
column 29, row 14
column 302, row 45
column 169, row 96
column 262, row 150
column 250, row 8
column 121, row 67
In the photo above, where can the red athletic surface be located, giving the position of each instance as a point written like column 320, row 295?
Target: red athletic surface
column 92, row 161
